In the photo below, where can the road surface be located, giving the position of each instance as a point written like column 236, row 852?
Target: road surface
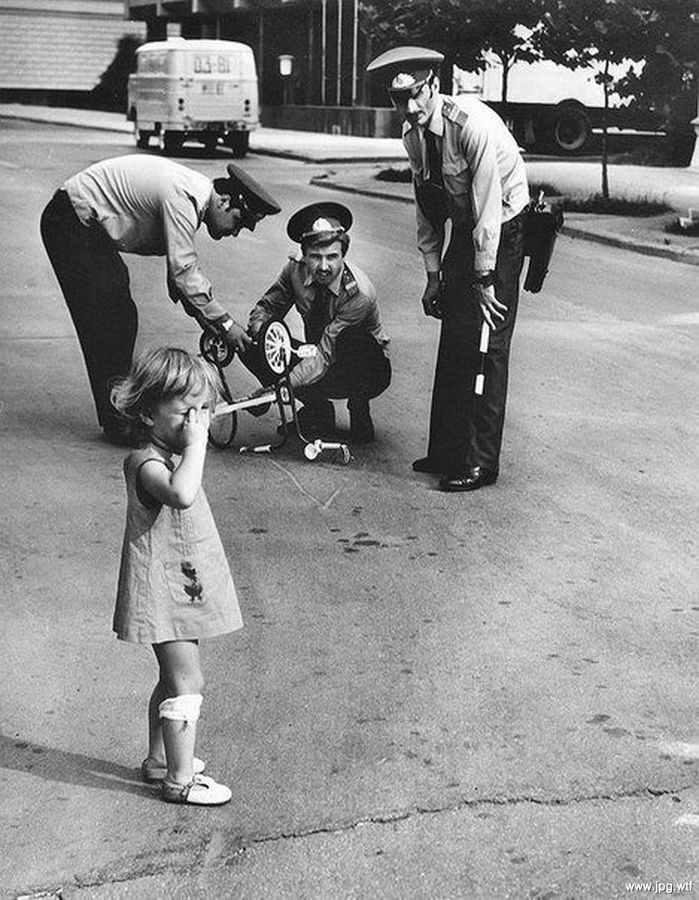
column 487, row 695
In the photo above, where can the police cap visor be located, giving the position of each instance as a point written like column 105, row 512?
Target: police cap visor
column 242, row 186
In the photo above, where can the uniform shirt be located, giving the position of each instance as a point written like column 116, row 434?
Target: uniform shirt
column 484, row 176
column 352, row 302
column 152, row 207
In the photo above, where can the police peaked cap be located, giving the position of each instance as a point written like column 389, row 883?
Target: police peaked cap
column 407, row 67
column 241, row 185
column 323, row 221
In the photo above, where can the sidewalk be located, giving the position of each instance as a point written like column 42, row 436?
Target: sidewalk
column 678, row 188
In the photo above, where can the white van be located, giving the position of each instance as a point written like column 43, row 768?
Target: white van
column 200, row 90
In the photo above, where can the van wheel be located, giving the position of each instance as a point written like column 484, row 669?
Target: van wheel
column 210, row 145
column 170, row 142
column 239, row 142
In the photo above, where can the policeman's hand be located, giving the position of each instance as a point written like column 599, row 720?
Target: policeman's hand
column 432, row 296
column 493, row 309
column 238, row 337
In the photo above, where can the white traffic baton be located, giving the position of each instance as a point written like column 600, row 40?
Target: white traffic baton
column 483, row 350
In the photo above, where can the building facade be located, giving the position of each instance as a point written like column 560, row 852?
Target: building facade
column 56, row 50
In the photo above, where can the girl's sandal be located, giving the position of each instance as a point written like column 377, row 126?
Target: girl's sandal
column 154, row 773
column 201, row 791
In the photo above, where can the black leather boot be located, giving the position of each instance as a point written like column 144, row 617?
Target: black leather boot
column 361, row 426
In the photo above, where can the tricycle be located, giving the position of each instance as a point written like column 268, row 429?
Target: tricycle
column 276, row 351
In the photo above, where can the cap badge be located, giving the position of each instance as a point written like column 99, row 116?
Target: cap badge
column 402, row 81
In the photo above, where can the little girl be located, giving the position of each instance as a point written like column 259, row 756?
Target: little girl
column 174, row 582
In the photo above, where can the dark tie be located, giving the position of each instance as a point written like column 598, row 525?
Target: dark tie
column 434, row 158
column 318, row 316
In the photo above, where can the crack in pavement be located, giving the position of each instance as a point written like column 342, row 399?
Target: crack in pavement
column 213, row 848
column 390, row 818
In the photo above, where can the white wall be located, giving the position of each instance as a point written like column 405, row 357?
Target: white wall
column 59, row 44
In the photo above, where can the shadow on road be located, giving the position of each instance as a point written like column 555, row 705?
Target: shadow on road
column 70, row 768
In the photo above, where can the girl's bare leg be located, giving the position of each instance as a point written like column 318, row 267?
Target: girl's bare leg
column 156, row 747
column 180, row 674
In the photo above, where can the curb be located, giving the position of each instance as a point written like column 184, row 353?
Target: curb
column 690, row 257
column 324, row 160
column 42, row 120
column 324, row 181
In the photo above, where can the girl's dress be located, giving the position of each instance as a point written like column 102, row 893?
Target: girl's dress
column 174, row 579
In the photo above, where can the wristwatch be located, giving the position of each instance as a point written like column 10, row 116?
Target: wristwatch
column 485, row 280
column 225, row 324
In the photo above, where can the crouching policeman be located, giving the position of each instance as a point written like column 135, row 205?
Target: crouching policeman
column 340, row 315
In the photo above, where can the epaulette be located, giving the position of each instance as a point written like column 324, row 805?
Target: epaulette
column 349, row 283
column 454, row 113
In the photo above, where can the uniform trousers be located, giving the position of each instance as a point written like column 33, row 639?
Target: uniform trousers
column 466, row 428
column 360, row 370
column 95, row 283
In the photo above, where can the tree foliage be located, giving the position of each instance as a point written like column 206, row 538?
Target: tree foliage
column 111, row 91
column 668, row 83
column 661, row 35
column 464, row 30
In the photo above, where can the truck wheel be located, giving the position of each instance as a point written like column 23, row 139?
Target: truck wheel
column 142, row 139
column 569, row 128
column 239, row 142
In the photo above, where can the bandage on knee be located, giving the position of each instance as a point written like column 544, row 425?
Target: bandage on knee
column 183, row 708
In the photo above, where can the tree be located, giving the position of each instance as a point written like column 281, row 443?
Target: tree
column 464, row 30
column 667, row 85
column 610, row 33
column 111, row 91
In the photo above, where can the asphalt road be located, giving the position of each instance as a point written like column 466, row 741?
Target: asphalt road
column 488, row 695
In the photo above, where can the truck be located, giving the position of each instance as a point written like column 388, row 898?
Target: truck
column 550, row 107
column 194, row 90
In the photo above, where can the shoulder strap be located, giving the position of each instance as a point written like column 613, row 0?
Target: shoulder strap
column 454, row 113
column 144, row 497
column 349, row 282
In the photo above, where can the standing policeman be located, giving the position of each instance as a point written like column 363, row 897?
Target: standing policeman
column 466, row 167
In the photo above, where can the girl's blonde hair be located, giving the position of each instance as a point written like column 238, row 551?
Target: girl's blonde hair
column 157, row 376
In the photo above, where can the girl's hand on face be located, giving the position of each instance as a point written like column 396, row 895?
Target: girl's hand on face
column 195, row 428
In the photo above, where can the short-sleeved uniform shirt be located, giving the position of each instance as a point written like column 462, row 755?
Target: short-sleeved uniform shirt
column 151, row 207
